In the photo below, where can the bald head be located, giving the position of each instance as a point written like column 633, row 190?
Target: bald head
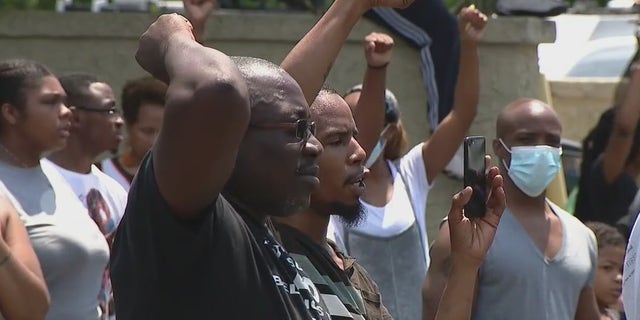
column 264, row 79
column 329, row 110
column 272, row 91
column 326, row 98
column 523, row 113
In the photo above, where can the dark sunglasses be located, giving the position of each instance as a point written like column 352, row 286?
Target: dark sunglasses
column 305, row 128
column 113, row 111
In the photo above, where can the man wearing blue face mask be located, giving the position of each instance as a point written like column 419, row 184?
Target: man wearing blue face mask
column 542, row 262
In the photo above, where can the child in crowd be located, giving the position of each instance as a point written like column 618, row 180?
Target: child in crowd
column 608, row 284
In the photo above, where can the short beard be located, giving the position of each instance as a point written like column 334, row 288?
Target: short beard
column 350, row 215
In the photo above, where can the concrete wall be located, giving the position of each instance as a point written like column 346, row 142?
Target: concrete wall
column 579, row 103
column 104, row 44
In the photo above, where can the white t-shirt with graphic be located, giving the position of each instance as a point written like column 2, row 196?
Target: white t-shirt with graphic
column 104, row 198
column 116, row 172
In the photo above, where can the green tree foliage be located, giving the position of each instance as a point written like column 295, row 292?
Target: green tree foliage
column 27, row 4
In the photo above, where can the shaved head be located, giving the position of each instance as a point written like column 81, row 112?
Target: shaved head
column 528, row 123
column 518, row 113
column 326, row 99
column 262, row 77
column 271, row 89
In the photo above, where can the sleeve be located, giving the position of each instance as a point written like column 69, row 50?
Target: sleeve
column 154, row 252
column 150, row 232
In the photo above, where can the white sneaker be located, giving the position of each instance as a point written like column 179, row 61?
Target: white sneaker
column 538, row 8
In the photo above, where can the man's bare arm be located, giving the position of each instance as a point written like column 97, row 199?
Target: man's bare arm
column 470, row 242
column 205, row 119
column 438, row 273
column 310, row 61
column 369, row 108
column 23, row 293
column 440, row 148
column 624, row 128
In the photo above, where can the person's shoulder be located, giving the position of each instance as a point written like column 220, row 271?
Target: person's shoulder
column 414, row 152
column 106, row 164
column 362, row 279
column 223, row 204
column 573, row 223
column 53, row 173
column 565, row 216
column 111, row 184
column 224, row 212
column 557, row 209
column 46, row 161
column 293, row 239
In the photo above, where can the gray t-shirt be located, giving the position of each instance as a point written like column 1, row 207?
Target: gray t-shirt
column 516, row 281
column 72, row 251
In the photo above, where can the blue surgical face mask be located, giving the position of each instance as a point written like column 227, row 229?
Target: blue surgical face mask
column 378, row 149
column 532, row 168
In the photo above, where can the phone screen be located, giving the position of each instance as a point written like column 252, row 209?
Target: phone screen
column 474, row 175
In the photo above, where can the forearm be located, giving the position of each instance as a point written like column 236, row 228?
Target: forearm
column 369, row 114
column 204, row 66
column 621, row 138
column 444, row 142
column 467, row 92
column 310, row 61
column 23, row 295
column 457, row 298
column 628, row 114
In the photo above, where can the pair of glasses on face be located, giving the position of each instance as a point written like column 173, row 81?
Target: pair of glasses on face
column 304, row 128
column 112, row 112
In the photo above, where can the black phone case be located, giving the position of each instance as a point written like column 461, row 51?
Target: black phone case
column 475, row 177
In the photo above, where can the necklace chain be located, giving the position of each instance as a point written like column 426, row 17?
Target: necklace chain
column 13, row 157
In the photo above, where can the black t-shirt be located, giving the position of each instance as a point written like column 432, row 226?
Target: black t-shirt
column 223, row 266
column 342, row 299
column 602, row 201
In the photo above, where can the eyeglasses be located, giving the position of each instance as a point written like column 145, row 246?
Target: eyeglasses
column 113, row 111
column 305, row 128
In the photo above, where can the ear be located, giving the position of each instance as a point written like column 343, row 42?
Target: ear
column 76, row 118
column 10, row 113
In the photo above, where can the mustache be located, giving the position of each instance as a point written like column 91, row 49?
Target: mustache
column 358, row 176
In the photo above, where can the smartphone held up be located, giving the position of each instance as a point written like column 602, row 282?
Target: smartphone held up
column 475, row 176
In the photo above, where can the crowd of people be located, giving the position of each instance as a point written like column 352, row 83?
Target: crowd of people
column 245, row 189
